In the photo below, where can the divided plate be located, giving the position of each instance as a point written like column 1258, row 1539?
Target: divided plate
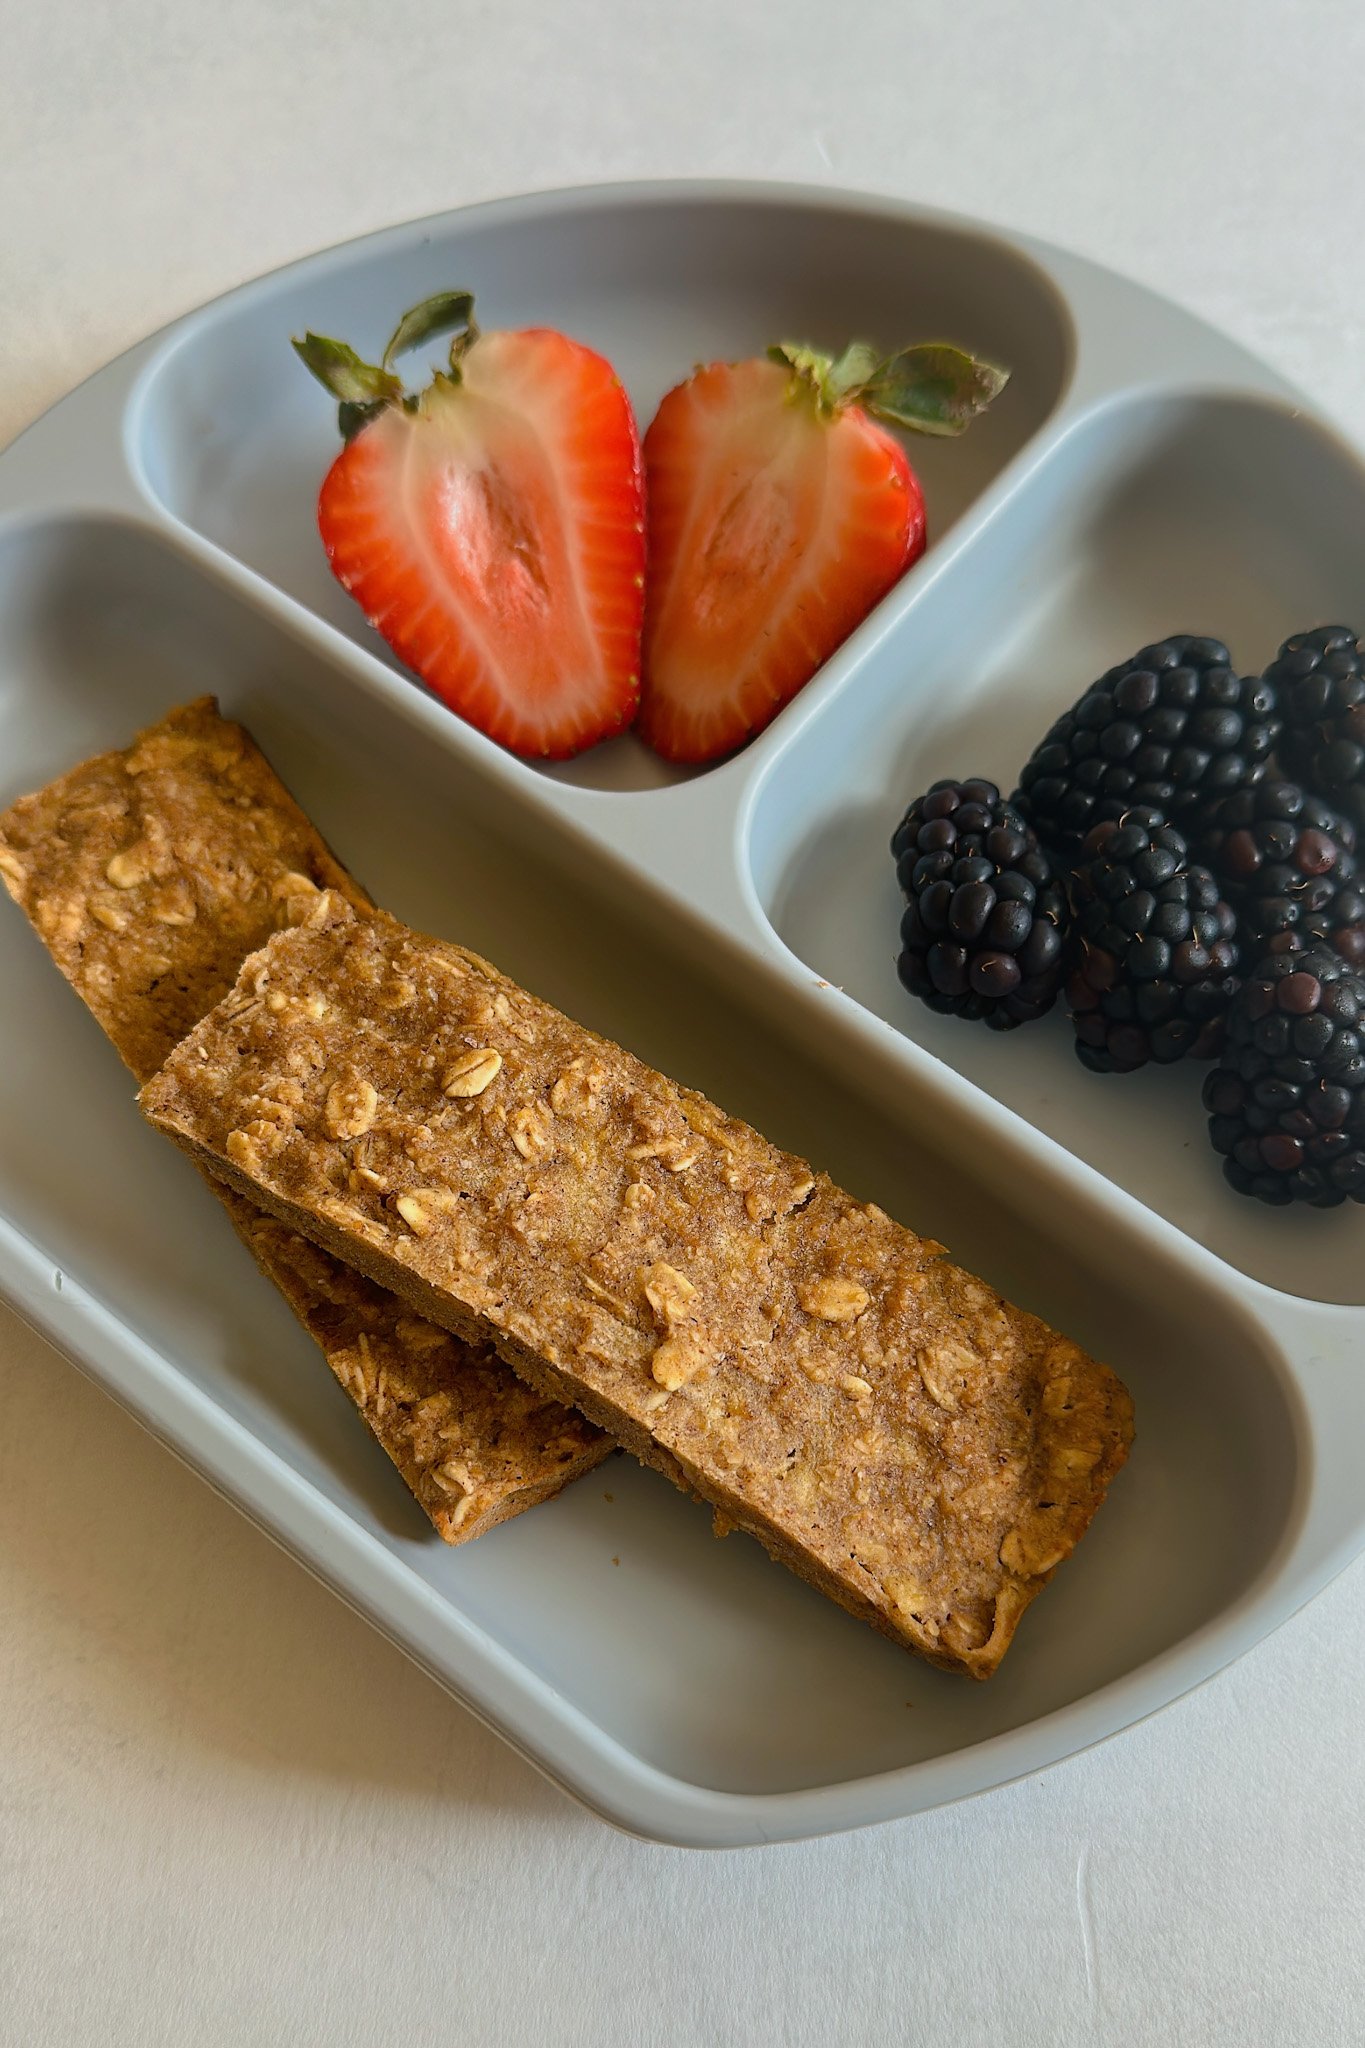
column 737, row 927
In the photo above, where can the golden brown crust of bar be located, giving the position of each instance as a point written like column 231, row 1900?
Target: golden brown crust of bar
column 884, row 1422
column 150, row 873
column 474, row 1444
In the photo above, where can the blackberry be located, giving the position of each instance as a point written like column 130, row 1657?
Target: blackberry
column 1172, row 729
column 1319, row 678
column 1286, row 1101
column 985, row 915
column 1287, row 862
column 1155, row 958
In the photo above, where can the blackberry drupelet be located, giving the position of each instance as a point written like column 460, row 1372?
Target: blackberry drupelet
column 1319, row 678
column 1172, row 729
column 1155, row 959
column 985, row 916
column 1286, row 861
column 1286, row 1101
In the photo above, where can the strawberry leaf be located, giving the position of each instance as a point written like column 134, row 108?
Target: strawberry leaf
column 810, row 365
column 849, row 375
column 362, row 389
column 346, row 375
column 832, row 381
column 352, row 417
column 437, row 315
column 931, row 388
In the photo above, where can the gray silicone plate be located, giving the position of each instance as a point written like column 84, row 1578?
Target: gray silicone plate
column 1141, row 475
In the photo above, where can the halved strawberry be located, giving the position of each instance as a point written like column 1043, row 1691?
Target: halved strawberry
column 780, row 512
column 492, row 528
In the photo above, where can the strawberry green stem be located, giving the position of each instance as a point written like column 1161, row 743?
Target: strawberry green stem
column 931, row 387
column 362, row 389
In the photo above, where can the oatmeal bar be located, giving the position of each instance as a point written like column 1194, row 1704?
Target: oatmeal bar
column 150, row 874
column 883, row 1422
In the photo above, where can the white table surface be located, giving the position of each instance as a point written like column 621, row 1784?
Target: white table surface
column 228, row 1811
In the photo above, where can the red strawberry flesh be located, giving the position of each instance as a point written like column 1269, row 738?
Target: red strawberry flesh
column 774, row 529
column 494, row 534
